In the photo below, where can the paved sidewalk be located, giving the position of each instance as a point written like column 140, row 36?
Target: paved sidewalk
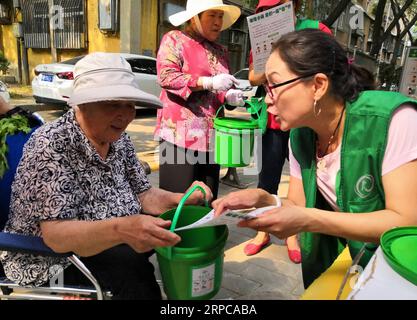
column 269, row 274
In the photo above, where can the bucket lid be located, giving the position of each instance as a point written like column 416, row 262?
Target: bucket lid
column 235, row 123
column 399, row 246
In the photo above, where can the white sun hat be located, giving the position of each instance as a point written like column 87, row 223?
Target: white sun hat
column 195, row 7
column 102, row 76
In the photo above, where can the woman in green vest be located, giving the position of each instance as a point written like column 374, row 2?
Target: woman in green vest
column 353, row 154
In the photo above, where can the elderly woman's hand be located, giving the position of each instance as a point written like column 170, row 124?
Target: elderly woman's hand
column 197, row 197
column 143, row 233
column 243, row 199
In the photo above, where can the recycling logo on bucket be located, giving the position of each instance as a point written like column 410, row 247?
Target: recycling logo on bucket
column 203, row 280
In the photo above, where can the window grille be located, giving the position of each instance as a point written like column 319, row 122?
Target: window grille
column 68, row 20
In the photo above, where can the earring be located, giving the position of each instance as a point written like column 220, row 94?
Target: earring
column 316, row 114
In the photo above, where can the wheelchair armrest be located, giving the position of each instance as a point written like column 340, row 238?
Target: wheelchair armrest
column 27, row 244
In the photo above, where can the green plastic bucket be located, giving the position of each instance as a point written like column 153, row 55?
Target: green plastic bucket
column 234, row 137
column 192, row 269
column 399, row 246
column 234, row 140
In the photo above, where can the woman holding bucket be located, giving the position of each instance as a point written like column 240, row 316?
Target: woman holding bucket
column 194, row 75
column 274, row 140
column 344, row 188
column 80, row 186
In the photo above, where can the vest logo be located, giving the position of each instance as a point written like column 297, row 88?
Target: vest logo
column 365, row 186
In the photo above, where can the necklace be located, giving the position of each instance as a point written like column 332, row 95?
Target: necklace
column 321, row 164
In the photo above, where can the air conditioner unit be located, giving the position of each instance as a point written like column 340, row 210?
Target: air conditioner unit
column 108, row 15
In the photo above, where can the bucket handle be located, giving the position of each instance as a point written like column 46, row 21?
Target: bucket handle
column 182, row 202
column 179, row 208
column 218, row 110
column 248, row 101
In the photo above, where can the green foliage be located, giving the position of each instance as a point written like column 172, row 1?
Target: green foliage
column 389, row 74
column 4, row 63
column 251, row 3
column 10, row 125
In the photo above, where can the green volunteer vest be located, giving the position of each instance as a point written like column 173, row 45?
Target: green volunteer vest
column 359, row 182
column 306, row 24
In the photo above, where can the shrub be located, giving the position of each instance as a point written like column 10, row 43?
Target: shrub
column 4, row 63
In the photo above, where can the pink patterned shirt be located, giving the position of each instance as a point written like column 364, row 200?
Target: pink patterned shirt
column 186, row 119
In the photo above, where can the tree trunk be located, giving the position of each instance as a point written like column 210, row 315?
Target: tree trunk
column 337, row 11
column 393, row 61
column 380, row 9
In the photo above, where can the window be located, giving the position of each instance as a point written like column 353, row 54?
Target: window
column 5, row 13
column 147, row 66
column 73, row 33
column 68, row 18
column 36, row 23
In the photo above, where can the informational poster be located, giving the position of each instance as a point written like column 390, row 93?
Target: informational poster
column 408, row 84
column 267, row 27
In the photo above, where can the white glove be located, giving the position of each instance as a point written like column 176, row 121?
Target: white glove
column 234, row 97
column 220, row 82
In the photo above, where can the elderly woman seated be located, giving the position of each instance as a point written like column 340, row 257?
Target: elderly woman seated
column 80, row 186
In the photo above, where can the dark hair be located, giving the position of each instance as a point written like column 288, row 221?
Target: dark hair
column 313, row 51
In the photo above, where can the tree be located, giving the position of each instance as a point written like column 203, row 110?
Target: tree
column 336, row 12
column 251, row 3
column 379, row 14
column 401, row 33
column 4, row 63
column 377, row 38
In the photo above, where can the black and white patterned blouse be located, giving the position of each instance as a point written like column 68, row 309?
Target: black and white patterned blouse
column 61, row 176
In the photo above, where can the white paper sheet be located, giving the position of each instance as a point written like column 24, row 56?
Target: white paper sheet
column 230, row 217
column 267, row 27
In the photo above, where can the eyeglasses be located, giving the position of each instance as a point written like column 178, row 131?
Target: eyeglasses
column 269, row 88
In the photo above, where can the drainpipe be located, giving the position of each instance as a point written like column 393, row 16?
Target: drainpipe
column 130, row 26
column 19, row 61
column 25, row 62
column 54, row 52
